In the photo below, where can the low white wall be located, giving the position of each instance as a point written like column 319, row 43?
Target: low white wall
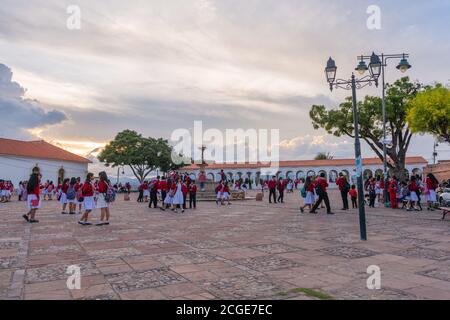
column 18, row 169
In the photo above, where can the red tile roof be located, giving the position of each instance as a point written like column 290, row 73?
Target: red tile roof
column 37, row 149
column 303, row 163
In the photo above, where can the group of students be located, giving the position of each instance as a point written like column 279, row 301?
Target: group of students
column 172, row 191
column 409, row 193
column 91, row 194
column 6, row 190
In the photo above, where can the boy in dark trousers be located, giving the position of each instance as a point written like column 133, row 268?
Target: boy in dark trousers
column 193, row 195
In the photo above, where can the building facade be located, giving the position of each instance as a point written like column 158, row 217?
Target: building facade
column 19, row 158
column 294, row 169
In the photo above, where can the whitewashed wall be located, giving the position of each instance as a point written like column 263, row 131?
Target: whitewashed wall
column 17, row 169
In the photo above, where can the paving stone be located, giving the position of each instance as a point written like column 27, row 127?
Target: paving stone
column 135, row 280
column 348, row 252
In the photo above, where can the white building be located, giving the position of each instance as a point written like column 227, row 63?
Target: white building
column 19, row 158
column 301, row 168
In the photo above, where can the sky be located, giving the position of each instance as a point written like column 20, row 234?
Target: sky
column 155, row 66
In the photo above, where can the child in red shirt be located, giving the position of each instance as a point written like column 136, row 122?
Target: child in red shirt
column 353, row 195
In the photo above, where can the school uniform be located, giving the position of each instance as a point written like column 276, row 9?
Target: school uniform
column 226, row 193
column 102, row 189
column 178, row 196
column 310, row 197
column 192, row 196
column 413, row 189
column 33, row 198
column 63, row 196
column 431, row 187
column 88, row 195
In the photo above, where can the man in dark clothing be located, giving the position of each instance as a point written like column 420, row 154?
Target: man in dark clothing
column 280, row 187
column 321, row 185
column 154, row 185
column 344, row 188
column 272, row 184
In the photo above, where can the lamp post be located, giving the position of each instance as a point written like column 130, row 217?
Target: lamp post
column 403, row 66
column 353, row 84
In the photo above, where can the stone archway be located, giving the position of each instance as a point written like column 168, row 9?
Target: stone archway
column 311, row 173
column 210, row 176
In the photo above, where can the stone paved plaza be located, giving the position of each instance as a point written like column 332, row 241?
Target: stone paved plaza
column 249, row 250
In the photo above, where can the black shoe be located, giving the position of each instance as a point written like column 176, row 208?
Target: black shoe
column 106, row 223
column 26, row 218
column 34, row 221
column 72, row 213
column 162, row 209
column 81, row 222
column 100, row 223
column 301, row 210
column 330, row 212
column 313, row 212
column 63, row 212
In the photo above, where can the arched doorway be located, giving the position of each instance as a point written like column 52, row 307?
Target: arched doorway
column 333, row 176
column 322, row 172
column 367, row 174
column 210, row 176
column 61, row 174
column 311, row 173
column 379, row 172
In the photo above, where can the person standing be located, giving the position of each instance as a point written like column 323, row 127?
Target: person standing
column 223, row 177
column 88, row 199
column 63, row 195
column 371, row 188
column 103, row 198
column 353, row 195
column 202, row 180
column 432, row 183
column 344, row 188
column 163, row 188
column 154, row 186
column 413, row 197
column 321, row 190
column 71, row 195
column 177, row 200
column 272, row 184
column 392, row 189
column 33, row 198
column 185, row 190
column 193, row 195
column 281, row 187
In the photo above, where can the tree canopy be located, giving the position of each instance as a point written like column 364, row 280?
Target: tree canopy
column 339, row 121
column 323, row 156
column 430, row 112
column 142, row 155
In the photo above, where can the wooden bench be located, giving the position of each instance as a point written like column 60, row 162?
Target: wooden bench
column 445, row 210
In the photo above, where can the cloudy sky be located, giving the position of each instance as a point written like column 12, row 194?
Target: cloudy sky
column 158, row 65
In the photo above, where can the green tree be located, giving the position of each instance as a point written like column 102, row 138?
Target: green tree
column 339, row 121
column 430, row 112
column 323, row 156
column 142, row 155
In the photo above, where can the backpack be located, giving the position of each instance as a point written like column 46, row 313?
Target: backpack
column 303, row 192
column 71, row 194
column 110, row 194
column 347, row 186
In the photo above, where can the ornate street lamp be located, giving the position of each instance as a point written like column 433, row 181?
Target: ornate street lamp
column 353, row 84
column 330, row 72
column 403, row 65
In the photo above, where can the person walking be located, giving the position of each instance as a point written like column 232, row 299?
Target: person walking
column 308, row 191
column 321, row 190
column 33, row 198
